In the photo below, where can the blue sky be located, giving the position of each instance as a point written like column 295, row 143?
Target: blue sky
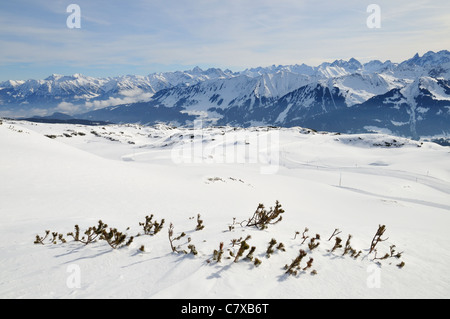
column 142, row 37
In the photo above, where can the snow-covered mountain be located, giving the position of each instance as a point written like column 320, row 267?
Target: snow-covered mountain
column 79, row 93
column 342, row 95
column 420, row 108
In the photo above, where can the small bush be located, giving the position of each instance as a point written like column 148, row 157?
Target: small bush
column 308, row 264
column 313, row 244
column 41, row 239
column 377, row 238
column 257, row 262
column 294, row 267
column 347, row 247
column 57, row 237
column 217, row 254
column 92, row 233
column 337, row 244
column 237, row 241
column 231, row 227
column 281, row 247
column 271, row 248
column 172, row 239
column 192, row 249
column 393, row 253
column 304, row 237
column 243, row 247
column 262, row 218
column 250, row 253
column 116, row 239
column 151, row 227
column 200, row 225
column 335, row 233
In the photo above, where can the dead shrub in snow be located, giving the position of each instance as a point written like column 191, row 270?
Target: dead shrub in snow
column 308, row 264
column 192, row 250
column 271, row 248
column 335, row 233
column 217, row 254
column 243, row 247
column 393, row 253
column 313, row 244
column 377, row 238
column 54, row 240
column 41, row 239
column 231, row 227
column 151, row 227
column 200, row 225
column 237, row 241
column 337, row 244
column 240, row 249
column 58, row 237
column 294, row 267
column 250, row 253
column 348, row 248
column 172, row 239
column 257, row 262
column 116, row 239
column 92, row 233
column 262, row 218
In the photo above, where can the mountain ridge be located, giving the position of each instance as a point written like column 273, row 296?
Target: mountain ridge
column 274, row 95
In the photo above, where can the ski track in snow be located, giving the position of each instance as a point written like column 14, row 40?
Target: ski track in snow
column 411, row 200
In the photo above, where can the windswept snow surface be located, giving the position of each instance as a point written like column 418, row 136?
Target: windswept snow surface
column 54, row 176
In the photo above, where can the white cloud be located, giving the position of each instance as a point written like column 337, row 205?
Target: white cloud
column 69, row 108
column 136, row 93
column 129, row 96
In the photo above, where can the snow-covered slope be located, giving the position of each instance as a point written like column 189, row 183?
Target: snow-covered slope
column 421, row 108
column 322, row 96
column 359, row 87
column 55, row 176
column 236, row 91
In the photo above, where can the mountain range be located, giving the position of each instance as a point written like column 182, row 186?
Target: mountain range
column 411, row 98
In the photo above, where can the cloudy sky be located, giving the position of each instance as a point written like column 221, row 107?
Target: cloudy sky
column 142, row 37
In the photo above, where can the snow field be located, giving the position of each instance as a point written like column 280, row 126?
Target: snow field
column 323, row 182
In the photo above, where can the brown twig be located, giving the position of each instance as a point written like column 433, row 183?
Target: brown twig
column 335, row 233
